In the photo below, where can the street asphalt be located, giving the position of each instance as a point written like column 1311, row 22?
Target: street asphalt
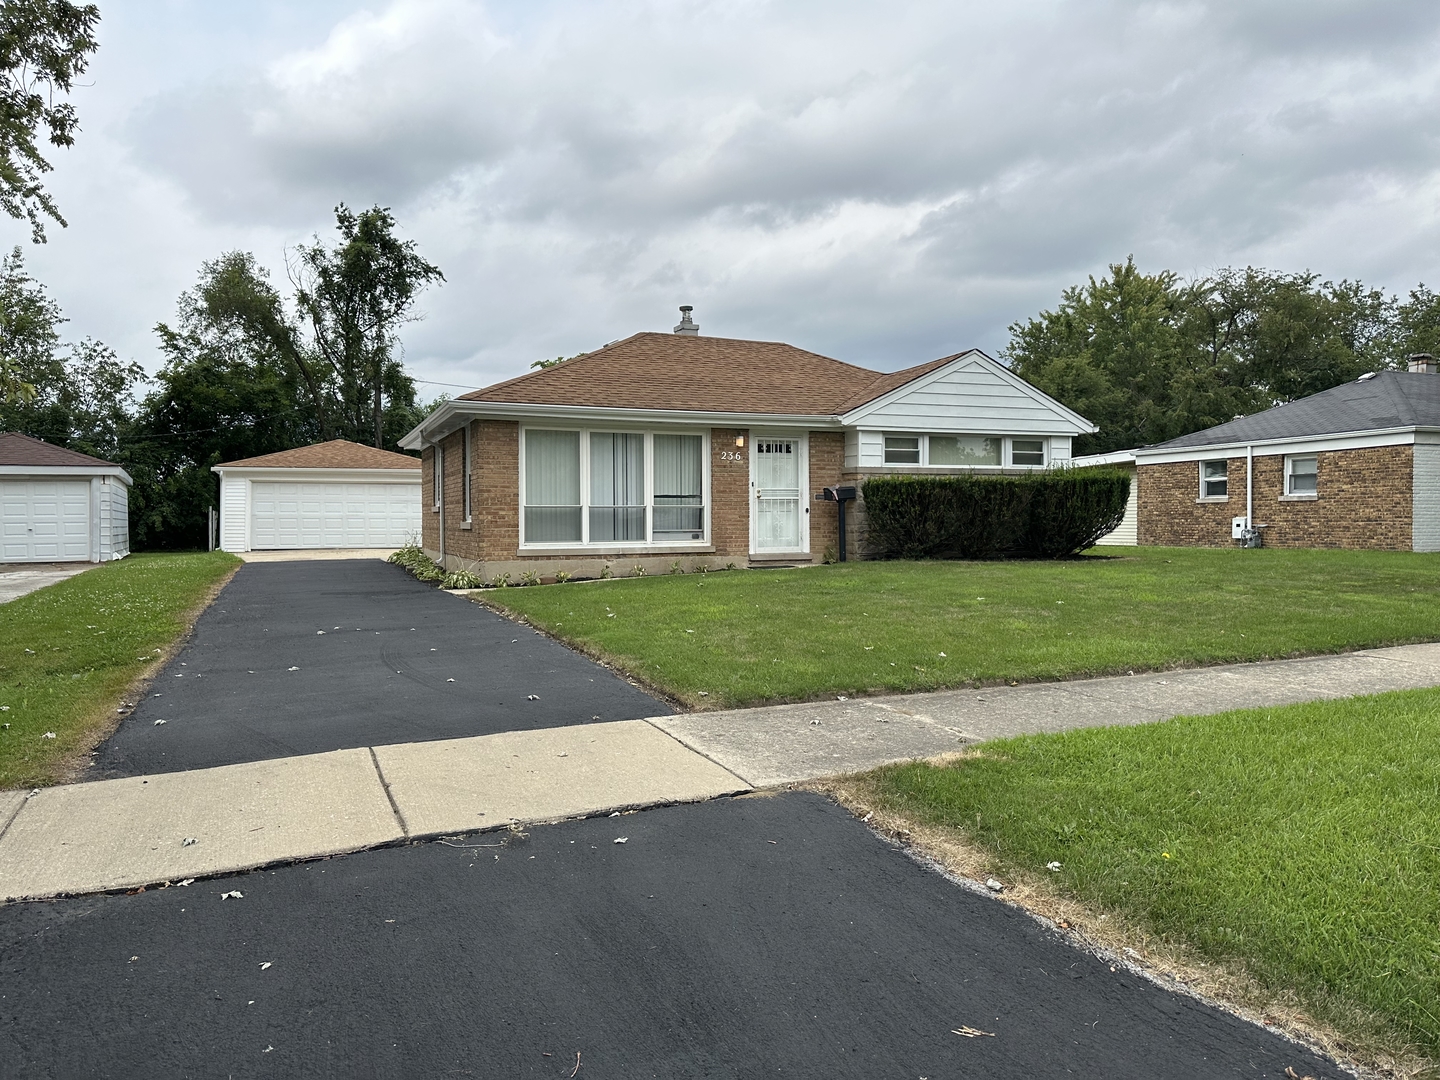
column 305, row 657
column 762, row 935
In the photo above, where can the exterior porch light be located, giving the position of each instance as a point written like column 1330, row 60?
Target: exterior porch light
column 739, row 440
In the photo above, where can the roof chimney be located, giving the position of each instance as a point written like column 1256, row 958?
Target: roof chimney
column 1422, row 363
column 690, row 328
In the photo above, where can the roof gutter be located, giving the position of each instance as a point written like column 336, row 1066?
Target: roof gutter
column 1181, row 453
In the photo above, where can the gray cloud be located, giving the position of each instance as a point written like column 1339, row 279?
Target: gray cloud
column 884, row 183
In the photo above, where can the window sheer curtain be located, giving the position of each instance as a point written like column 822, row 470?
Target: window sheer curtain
column 679, row 510
column 617, row 486
column 552, row 486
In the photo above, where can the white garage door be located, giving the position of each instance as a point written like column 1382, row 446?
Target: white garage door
column 43, row 521
column 288, row 516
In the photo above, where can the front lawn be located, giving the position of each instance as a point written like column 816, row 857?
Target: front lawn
column 753, row 636
column 1302, row 843
column 70, row 650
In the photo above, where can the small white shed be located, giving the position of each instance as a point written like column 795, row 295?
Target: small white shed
column 1127, row 532
column 335, row 494
column 59, row 505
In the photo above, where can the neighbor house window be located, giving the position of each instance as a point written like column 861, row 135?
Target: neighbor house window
column 1214, row 479
column 1027, row 451
column 1300, row 475
column 467, row 472
column 902, row 449
column 965, row 450
column 552, row 487
column 439, row 474
column 613, row 487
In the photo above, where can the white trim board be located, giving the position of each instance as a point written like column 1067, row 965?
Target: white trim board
column 1311, row 444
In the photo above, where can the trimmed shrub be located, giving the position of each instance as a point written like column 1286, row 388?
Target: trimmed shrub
column 1037, row 516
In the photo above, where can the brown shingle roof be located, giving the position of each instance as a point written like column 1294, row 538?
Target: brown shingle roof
column 701, row 374
column 17, row 449
column 335, row 454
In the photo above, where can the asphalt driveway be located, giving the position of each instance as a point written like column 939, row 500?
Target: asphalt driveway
column 305, row 657
column 759, row 936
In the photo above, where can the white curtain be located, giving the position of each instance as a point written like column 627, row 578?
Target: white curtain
column 552, row 486
column 679, row 509
column 617, row 486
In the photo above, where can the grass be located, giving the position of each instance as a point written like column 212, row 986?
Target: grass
column 71, row 649
column 749, row 637
column 1302, row 843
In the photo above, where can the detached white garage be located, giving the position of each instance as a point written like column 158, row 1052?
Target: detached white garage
column 58, row 505
column 336, row 494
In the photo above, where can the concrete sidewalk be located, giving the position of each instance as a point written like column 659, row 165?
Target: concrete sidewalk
column 120, row 834
column 21, row 579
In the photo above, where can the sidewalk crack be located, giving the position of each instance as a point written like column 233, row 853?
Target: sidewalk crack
column 385, row 784
column 11, row 819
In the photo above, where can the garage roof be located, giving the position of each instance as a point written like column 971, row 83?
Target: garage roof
column 335, row 454
column 17, row 449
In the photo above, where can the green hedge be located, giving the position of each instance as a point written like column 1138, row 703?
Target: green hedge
column 1037, row 516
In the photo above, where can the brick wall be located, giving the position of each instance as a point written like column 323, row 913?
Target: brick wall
column 495, row 505
column 429, row 520
column 827, row 465
column 730, row 494
column 1363, row 501
column 460, row 542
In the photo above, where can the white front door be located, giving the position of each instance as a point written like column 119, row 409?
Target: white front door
column 779, row 466
column 44, row 521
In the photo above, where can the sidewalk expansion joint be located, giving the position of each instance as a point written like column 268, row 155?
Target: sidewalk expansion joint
column 385, row 785
column 11, row 819
column 696, row 750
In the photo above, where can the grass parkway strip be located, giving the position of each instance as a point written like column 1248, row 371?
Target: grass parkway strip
column 1299, row 843
column 740, row 638
column 71, row 649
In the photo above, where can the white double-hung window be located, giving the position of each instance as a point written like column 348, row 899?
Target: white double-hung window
column 613, row 488
column 1300, row 474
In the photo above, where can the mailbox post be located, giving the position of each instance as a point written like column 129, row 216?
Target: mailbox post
column 839, row 495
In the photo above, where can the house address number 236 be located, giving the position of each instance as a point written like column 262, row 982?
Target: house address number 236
column 731, row 455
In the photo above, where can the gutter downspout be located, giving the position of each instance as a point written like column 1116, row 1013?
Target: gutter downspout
column 1249, row 486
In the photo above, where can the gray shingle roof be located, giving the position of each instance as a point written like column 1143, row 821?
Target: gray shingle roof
column 1392, row 399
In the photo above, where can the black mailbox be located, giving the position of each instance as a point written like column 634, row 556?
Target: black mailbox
column 840, row 495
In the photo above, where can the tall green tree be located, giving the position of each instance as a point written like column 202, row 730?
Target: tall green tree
column 355, row 296
column 1150, row 357
column 44, row 46
column 77, row 395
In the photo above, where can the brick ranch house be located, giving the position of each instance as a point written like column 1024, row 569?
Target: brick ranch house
column 1356, row 466
column 675, row 447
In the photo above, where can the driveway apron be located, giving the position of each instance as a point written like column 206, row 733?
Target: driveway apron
column 749, row 937
column 307, row 657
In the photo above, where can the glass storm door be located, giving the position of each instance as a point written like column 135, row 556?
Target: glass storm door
column 777, row 494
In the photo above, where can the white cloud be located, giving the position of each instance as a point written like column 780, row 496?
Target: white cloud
column 885, row 183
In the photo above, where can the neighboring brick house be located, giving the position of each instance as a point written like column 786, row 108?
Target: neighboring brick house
column 1356, row 466
column 665, row 448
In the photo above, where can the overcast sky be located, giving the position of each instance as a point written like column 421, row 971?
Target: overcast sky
column 883, row 182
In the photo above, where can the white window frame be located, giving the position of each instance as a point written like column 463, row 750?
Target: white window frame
column 467, row 474
column 1204, row 495
column 1007, row 449
column 438, row 478
column 921, row 443
column 620, row 546
column 1301, row 496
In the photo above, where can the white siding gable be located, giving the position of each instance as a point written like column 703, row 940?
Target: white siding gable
column 972, row 395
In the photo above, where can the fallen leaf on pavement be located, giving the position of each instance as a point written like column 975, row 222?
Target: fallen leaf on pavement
column 236, row 893
column 971, row 1033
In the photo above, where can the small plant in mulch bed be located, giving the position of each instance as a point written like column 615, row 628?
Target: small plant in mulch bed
column 637, row 570
column 530, row 577
column 461, row 579
column 502, row 581
column 412, row 558
column 562, row 576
